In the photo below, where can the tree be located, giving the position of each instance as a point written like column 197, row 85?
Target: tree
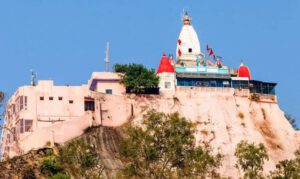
column 291, row 120
column 2, row 98
column 287, row 168
column 164, row 147
column 251, row 158
column 136, row 77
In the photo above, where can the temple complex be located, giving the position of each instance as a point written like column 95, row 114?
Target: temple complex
column 43, row 114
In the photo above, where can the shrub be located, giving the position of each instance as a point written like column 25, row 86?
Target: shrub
column 81, row 158
column 291, row 120
column 50, row 166
column 287, row 168
column 176, row 100
column 60, row 175
column 241, row 115
column 28, row 173
column 251, row 158
column 88, row 160
column 48, row 144
column 255, row 97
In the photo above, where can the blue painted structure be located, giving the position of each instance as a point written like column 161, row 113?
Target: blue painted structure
column 205, row 70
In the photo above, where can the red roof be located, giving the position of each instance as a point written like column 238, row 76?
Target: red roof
column 244, row 71
column 165, row 65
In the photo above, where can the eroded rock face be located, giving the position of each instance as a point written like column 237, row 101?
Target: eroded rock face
column 104, row 140
column 221, row 119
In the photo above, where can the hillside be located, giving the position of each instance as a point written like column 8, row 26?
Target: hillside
column 222, row 119
column 104, row 140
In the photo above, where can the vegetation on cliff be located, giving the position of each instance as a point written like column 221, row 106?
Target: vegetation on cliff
column 292, row 120
column 250, row 159
column 164, row 147
column 137, row 78
column 2, row 97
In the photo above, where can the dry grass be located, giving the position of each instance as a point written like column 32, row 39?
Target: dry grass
column 269, row 136
column 204, row 132
column 241, row 115
column 196, row 123
column 228, row 128
column 48, row 144
column 243, row 124
column 264, row 113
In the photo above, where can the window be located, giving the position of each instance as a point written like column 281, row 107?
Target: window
column 190, row 50
column 25, row 125
column 89, row 105
column 51, row 98
column 21, row 103
column 213, row 83
column 42, row 98
column 25, row 102
column 226, row 84
column 60, row 98
column 21, row 122
column 108, row 91
column 14, row 108
column 14, row 133
column 71, row 101
column 167, row 84
column 28, row 125
column 8, row 138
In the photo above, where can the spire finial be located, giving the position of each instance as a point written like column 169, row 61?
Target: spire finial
column 242, row 62
column 186, row 18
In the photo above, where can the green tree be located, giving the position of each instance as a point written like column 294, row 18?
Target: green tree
column 287, row 168
column 165, row 147
column 2, row 98
column 251, row 158
column 291, row 120
column 137, row 77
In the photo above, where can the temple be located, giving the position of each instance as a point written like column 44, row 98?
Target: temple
column 194, row 68
column 43, row 114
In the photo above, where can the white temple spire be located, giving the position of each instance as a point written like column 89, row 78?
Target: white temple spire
column 188, row 46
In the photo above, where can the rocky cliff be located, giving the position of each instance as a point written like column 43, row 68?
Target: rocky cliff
column 222, row 119
column 103, row 140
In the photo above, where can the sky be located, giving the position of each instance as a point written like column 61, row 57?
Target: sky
column 64, row 40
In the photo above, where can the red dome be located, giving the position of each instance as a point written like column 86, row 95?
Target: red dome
column 244, row 71
column 165, row 65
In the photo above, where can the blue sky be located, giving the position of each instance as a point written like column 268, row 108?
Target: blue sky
column 64, row 40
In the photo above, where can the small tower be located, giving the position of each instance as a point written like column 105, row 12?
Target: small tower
column 166, row 75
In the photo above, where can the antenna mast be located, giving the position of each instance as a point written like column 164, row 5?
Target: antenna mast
column 33, row 78
column 107, row 57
